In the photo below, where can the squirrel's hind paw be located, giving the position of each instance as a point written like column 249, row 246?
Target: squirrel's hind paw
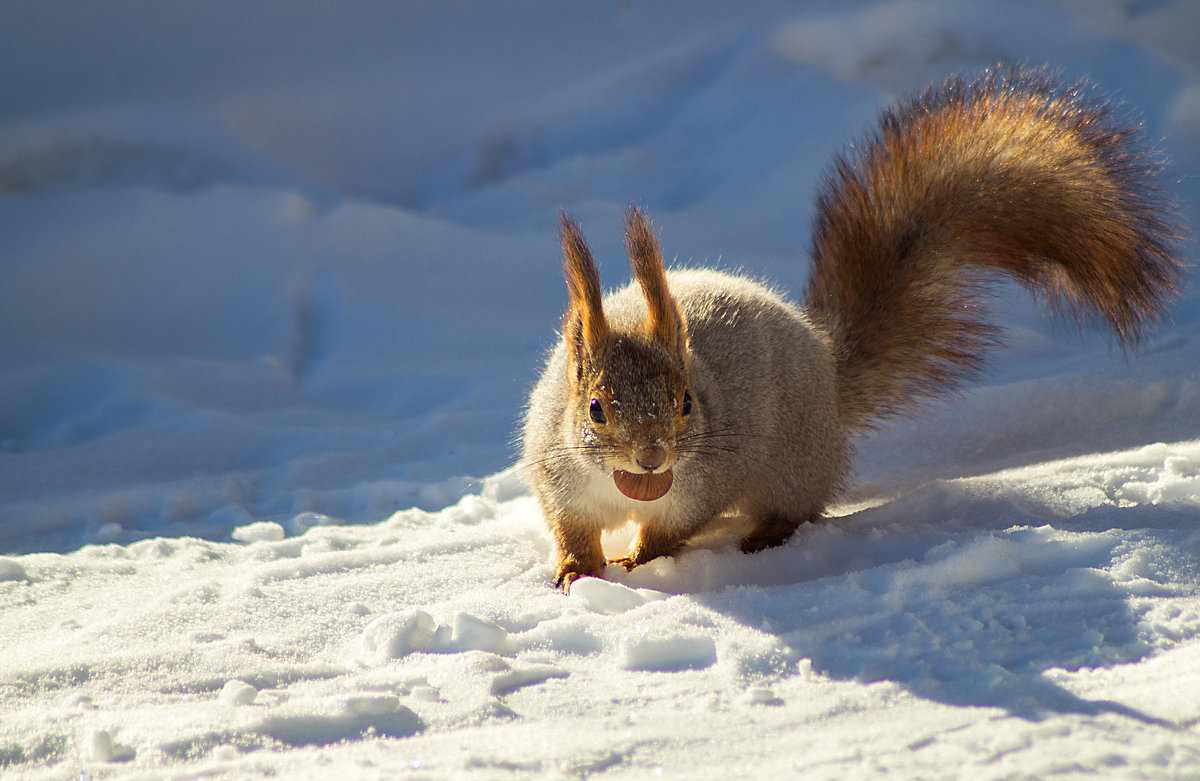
column 770, row 533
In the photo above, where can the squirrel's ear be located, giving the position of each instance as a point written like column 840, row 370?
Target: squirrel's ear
column 665, row 323
column 585, row 327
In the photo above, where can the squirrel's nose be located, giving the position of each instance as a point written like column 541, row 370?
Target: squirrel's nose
column 651, row 457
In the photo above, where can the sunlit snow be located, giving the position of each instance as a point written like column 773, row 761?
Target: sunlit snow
column 275, row 279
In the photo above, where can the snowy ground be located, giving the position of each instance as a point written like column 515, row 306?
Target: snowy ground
column 272, row 274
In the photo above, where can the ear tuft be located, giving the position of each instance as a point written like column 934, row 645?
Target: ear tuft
column 665, row 323
column 586, row 328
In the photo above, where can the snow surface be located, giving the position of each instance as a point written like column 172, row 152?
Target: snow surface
column 275, row 279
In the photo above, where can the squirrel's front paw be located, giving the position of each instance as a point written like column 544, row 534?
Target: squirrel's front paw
column 571, row 571
column 625, row 561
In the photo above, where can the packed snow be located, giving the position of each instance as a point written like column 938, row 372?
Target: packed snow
column 277, row 277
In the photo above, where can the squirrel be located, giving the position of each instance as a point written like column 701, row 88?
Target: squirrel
column 692, row 394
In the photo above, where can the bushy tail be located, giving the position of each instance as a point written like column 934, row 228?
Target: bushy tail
column 1011, row 172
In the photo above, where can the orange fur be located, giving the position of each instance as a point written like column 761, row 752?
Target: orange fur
column 665, row 323
column 585, row 325
column 1008, row 173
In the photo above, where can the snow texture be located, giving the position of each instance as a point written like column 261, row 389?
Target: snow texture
column 276, row 278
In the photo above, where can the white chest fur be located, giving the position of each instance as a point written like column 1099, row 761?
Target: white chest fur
column 604, row 502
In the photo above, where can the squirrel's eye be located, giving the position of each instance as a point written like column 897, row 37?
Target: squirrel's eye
column 687, row 404
column 596, row 412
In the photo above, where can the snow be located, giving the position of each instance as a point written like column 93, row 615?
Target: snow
column 276, row 280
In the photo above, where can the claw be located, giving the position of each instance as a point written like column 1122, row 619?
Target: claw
column 625, row 561
column 568, row 574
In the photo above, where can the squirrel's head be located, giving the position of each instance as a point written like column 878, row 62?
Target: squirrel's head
column 630, row 398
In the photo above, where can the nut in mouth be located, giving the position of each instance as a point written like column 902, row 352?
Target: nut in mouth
column 643, row 486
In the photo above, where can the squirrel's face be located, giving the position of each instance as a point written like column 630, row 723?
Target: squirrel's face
column 630, row 403
column 632, row 408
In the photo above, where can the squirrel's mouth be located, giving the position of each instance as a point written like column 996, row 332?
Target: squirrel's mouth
column 643, row 486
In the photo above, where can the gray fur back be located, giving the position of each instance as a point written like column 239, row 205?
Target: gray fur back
column 767, row 439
